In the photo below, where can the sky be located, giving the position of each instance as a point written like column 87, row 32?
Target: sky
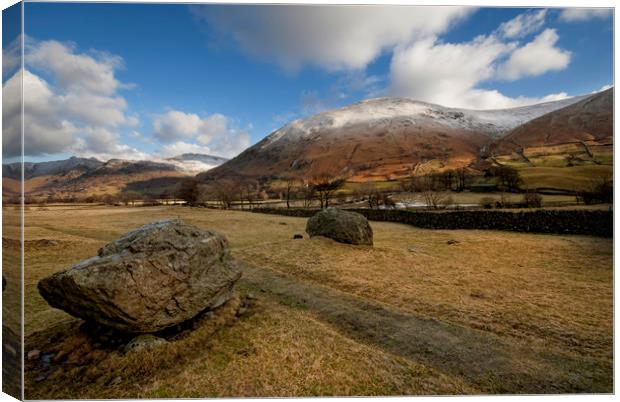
column 150, row 81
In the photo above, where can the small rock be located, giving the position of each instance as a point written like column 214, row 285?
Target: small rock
column 209, row 315
column 411, row 249
column 251, row 296
column 452, row 241
column 115, row 381
column 282, row 223
column 41, row 377
column 10, row 349
column 143, row 342
column 34, row 354
column 298, row 236
column 60, row 356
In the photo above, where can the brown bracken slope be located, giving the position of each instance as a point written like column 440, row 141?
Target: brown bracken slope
column 377, row 139
column 588, row 120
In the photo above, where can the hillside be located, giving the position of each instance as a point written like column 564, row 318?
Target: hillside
column 590, row 119
column 379, row 139
column 568, row 149
column 88, row 176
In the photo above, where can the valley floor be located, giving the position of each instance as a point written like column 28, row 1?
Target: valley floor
column 421, row 312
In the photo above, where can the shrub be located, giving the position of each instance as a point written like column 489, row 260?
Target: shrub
column 599, row 191
column 532, row 199
column 488, row 202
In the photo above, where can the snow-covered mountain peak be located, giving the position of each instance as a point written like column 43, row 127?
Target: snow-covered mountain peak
column 388, row 111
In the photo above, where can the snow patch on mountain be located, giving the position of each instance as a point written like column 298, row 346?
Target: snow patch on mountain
column 388, row 111
column 195, row 163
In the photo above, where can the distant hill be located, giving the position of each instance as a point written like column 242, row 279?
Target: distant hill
column 91, row 176
column 13, row 171
column 196, row 163
column 208, row 159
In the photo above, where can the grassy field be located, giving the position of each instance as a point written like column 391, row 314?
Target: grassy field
column 486, row 312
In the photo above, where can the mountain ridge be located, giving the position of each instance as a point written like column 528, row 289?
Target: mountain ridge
column 380, row 137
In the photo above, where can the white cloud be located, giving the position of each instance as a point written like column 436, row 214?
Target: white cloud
column 11, row 56
column 447, row 73
column 181, row 147
column 536, row 58
column 44, row 130
column 584, row 14
column 331, row 37
column 451, row 74
column 74, row 72
column 73, row 109
column 104, row 144
column 188, row 132
column 85, row 83
column 523, row 24
column 175, row 125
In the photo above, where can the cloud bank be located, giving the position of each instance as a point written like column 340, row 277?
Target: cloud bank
column 190, row 133
column 73, row 104
column 347, row 39
column 331, row 37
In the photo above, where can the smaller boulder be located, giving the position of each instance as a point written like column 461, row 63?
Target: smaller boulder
column 341, row 226
column 143, row 342
column 34, row 354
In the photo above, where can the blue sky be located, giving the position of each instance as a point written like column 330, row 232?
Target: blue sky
column 150, row 81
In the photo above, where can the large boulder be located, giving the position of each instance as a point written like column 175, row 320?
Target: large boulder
column 152, row 278
column 342, row 226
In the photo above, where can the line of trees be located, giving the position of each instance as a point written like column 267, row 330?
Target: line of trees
column 320, row 188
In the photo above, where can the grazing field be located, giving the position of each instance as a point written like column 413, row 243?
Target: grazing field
column 421, row 312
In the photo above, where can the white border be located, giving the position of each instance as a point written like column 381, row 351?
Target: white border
column 478, row 3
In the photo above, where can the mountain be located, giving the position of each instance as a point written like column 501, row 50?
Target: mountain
column 379, row 138
column 196, row 163
column 208, row 159
column 91, row 176
column 13, row 171
column 589, row 120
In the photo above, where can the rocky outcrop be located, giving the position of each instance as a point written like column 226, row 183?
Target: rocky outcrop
column 152, row 278
column 342, row 226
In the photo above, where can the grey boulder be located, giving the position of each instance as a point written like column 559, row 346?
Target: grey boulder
column 152, row 278
column 144, row 342
column 342, row 226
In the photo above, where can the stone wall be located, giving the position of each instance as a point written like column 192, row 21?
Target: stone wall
column 584, row 222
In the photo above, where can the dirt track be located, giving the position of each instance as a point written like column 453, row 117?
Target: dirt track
column 492, row 364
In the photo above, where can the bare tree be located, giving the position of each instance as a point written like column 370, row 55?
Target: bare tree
column 225, row 192
column 289, row 188
column 130, row 197
column 188, row 190
column 325, row 186
column 433, row 191
column 507, row 177
column 307, row 193
column 248, row 192
column 461, row 178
